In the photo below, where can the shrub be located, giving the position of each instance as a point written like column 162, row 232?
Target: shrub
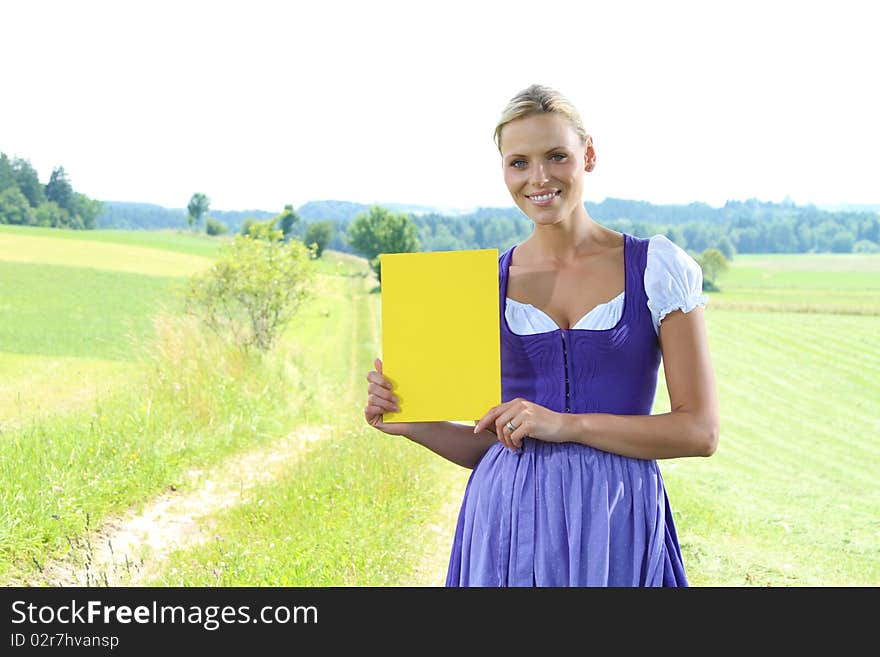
column 253, row 290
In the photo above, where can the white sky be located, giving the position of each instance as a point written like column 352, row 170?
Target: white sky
column 259, row 104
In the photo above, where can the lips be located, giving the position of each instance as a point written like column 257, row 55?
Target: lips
column 544, row 197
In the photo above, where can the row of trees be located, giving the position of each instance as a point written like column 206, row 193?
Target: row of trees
column 379, row 230
column 26, row 201
column 737, row 227
column 747, row 228
column 803, row 233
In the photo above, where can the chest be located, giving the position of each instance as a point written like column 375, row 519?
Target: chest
column 568, row 293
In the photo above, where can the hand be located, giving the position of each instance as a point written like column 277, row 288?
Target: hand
column 528, row 419
column 380, row 399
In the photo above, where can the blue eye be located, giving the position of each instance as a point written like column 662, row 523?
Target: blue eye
column 558, row 156
column 518, row 164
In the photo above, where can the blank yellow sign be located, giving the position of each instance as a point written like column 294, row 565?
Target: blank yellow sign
column 441, row 343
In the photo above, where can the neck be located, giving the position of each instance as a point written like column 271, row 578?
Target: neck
column 565, row 240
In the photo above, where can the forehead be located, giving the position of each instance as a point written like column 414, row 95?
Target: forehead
column 538, row 133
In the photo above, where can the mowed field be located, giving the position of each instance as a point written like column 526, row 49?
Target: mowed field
column 790, row 498
column 76, row 306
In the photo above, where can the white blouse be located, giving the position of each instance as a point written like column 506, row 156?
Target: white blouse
column 673, row 281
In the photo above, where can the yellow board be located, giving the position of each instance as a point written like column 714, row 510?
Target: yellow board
column 441, row 341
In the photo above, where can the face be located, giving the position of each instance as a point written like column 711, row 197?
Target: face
column 544, row 162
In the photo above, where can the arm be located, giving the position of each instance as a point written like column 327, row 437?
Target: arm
column 689, row 429
column 454, row 442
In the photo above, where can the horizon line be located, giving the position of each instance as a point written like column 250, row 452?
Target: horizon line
column 787, row 201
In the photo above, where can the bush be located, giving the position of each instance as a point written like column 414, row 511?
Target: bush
column 253, row 290
column 214, row 227
column 713, row 263
column 319, row 233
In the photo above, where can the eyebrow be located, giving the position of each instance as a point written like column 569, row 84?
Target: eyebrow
column 555, row 148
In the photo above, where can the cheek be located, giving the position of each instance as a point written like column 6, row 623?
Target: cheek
column 512, row 178
column 573, row 174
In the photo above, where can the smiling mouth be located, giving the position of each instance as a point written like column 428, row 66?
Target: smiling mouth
column 543, row 198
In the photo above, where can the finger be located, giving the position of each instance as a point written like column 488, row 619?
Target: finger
column 490, row 428
column 501, row 425
column 375, row 411
column 378, row 379
column 381, row 391
column 379, row 394
column 513, row 436
column 488, row 419
column 501, row 432
column 371, row 416
column 377, row 363
column 516, row 437
column 385, row 404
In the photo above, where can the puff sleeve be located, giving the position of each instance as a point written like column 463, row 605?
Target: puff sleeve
column 673, row 280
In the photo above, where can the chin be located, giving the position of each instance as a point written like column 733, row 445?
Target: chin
column 542, row 217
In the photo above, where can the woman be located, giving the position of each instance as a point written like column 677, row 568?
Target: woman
column 565, row 488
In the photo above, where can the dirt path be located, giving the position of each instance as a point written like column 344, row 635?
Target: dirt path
column 127, row 550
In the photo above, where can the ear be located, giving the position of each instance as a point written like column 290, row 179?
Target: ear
column 589, row 155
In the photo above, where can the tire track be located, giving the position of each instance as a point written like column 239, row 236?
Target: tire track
column 129, row 549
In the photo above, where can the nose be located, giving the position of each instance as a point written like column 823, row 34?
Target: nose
column 539, row 175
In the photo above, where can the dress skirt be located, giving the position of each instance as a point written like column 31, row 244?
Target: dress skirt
column 564, row 514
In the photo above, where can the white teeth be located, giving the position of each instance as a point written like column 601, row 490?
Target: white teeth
column 543, row 197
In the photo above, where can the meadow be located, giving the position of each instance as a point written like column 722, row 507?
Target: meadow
column 109, row 399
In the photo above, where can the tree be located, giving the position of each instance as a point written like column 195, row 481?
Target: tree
column 253, row 290
column 59, row 190
column 52, row 215
column 713, row 263
column 28, row 182
column 14, row 208
column 287, row 220
column 85, row 211
column 319, row 234
column 381, row 231
column 843, row 242
column 726, row 247
column 198, row 206
column 7, row 175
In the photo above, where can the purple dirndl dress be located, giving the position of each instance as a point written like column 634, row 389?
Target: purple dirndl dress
column 566, row 514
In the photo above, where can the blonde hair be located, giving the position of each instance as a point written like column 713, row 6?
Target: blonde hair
column 538, row 99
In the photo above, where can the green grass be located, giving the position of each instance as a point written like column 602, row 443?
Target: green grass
column 198, row 402
column 104, row 255
column 173, row 241
column 34, row 386
column 353, row 512
column 791, row 496
column 811, row 283
column 53, row 310
column 198, row 406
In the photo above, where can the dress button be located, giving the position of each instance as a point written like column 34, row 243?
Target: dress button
column 567, row 409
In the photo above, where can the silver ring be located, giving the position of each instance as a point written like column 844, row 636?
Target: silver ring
column 510, row 426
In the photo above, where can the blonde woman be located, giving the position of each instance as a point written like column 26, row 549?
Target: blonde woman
column 565, row 488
